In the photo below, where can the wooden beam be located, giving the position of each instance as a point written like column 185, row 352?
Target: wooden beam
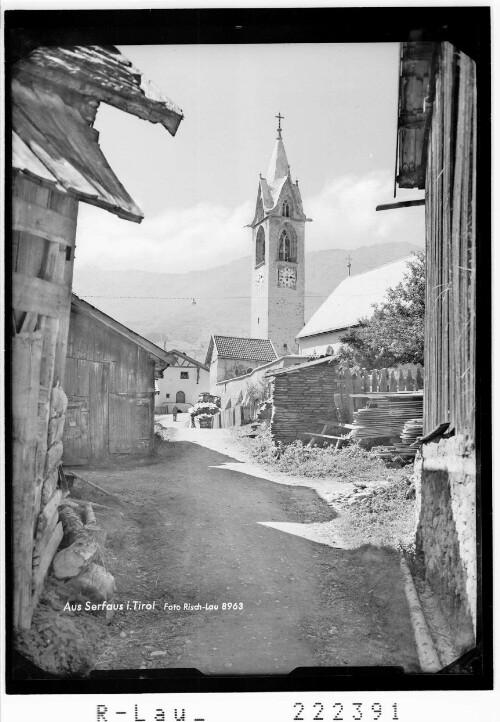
column 43, row 222
column 34, row 295
column 400, row 204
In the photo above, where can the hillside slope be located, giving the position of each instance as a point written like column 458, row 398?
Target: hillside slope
column 222, row 294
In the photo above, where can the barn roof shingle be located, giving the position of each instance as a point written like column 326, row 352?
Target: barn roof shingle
column 55, row 96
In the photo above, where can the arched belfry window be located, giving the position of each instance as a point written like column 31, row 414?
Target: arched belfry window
column 285, row 209
column 260, row 247
column 287, row 245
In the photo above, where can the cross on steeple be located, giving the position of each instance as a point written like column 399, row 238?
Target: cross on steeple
column 280, row 118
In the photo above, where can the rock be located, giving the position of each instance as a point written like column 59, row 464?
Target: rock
column 71, row 561
column 123, row 635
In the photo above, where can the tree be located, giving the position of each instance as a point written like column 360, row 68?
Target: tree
column 395, row 333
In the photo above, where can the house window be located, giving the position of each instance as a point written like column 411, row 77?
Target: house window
column 260, row 247
column 285, row 210
column 180, row 397
column 287, row 246
column 184, row 374
column 167, row 396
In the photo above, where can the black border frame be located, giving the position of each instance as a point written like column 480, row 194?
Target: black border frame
column 468, row 28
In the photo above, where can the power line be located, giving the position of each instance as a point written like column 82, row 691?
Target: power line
column 183, row 298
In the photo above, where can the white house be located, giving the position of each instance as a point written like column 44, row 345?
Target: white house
column 181, row 384
column 351, row 300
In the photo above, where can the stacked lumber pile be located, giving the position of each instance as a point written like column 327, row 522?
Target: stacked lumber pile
column 412, row 430
column 385, row 415
column 402, row 448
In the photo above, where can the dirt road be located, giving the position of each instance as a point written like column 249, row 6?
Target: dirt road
column 192, row 533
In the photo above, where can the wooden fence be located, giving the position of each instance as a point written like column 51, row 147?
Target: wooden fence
column 229, row 417
column 404, row 378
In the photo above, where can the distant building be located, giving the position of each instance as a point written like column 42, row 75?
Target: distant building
column 351, row 300
column 231, row 356
column 183, row 381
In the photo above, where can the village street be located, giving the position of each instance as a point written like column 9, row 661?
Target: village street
column 191, row 531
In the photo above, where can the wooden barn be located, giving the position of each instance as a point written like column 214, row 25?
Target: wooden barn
column 56, row 163
column 438, row 151
column 110, row 385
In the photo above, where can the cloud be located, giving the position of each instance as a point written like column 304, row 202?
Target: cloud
column 344, row 215
column 207, row 235
column 176, row 241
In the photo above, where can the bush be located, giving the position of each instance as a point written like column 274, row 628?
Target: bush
column 347, row 463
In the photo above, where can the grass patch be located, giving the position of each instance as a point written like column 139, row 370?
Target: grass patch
column 386, row 517
column 351, row 463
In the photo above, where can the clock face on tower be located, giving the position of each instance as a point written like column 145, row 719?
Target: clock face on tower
column 287, row 277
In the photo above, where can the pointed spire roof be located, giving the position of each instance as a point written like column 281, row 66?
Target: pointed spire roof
column 277, row 178
column 278, row 165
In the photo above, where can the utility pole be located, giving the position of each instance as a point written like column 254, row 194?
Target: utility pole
column 349, row 259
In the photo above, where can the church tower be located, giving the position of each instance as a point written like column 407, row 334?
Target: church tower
column 278, row 273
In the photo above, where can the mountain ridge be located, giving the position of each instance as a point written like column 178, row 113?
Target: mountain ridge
column 165, row 313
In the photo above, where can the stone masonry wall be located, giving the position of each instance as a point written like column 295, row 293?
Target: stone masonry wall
column 446, row 531
column 301, row 400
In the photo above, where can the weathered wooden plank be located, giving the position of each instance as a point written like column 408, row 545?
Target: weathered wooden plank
column 27, row 254
column 76, row 436
column 83, row 379
column 36, row 295
column 48, row 511
column 56, row 429
column 26, row 360
column 42, row 541
column 49, row 486
column 98, row 408
column 348, row 385
column 45, row 562
column 43, row 222
column 37, row 504
column 29, row 190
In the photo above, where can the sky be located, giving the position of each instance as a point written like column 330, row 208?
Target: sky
column 198, row 189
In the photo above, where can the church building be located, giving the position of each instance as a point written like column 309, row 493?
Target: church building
column 278, row 268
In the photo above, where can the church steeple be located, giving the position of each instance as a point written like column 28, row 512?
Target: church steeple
column 278, row 166
column 278, row 277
